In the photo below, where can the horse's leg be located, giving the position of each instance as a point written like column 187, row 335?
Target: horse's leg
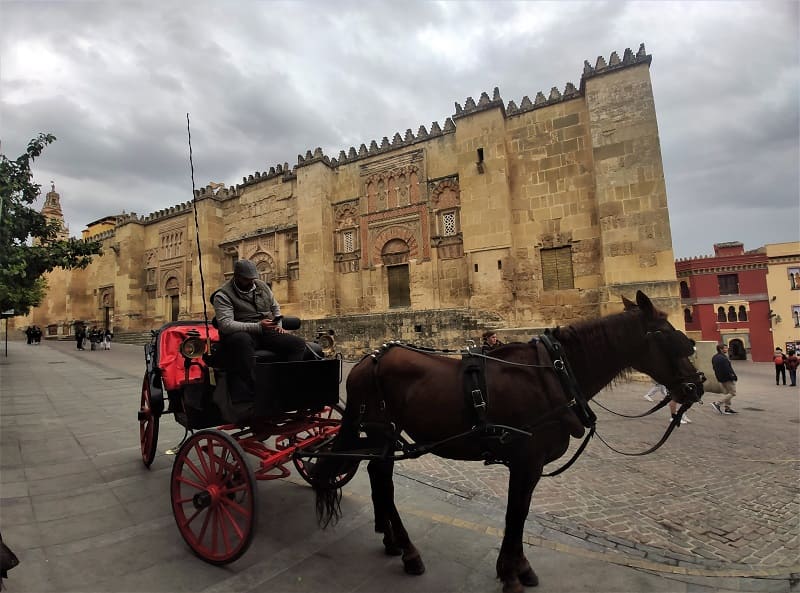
column 512, row 566
column 395, row 536
column 377, row 480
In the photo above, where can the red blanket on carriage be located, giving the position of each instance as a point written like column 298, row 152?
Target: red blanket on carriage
column 170, row 360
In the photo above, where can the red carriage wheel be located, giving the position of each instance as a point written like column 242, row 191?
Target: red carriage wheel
column 213, row 492
column 148, row 424
column 305, row 465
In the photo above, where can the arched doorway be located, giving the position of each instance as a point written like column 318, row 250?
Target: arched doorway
column 171, row 288
column 108, row 306
column 395, row 257
column 737, row 350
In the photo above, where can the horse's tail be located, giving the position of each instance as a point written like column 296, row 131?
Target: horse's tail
column 326, row 472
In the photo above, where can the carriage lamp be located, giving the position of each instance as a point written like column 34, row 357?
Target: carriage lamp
column 193, row 346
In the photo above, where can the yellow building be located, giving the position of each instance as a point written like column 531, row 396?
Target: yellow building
column 517, row 216
column 783, row 287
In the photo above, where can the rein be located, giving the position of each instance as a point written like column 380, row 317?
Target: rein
column 655, row 408
column 672, row 425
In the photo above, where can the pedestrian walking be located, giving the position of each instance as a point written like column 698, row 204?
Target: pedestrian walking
column 780, row 365
column 723, row 371
column 107, row 339
column 658, row 388
column 29, row 335
column 792, row 362
column 80, row 336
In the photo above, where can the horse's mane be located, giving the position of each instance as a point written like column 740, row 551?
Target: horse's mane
column 604, row 337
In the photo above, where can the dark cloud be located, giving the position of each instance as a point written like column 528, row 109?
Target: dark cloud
column 265, row 81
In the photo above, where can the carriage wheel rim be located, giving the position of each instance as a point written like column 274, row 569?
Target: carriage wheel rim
column 147, row 425
column 213, row 498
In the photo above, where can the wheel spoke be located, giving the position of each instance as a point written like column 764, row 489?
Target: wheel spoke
column 203, row 461
column 189, row 482
column 214, row 530
column 227, row 502
column 202, row 533
column 192, row 518
column 234, row 524
column 195, row 471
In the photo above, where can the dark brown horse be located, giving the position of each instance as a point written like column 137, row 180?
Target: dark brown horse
column 402, row 389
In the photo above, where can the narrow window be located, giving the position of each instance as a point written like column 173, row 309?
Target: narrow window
column 476, row 267
column 684, row 290
column 721, row 314
column 742, row 313
column 687, row 315
column 728, row 283
column 557, row 268
column 499, row 264
column 347, row 240
column 731, row 313
column 449, row 224
column 480, row 155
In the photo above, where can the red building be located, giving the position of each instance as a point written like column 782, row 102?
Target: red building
column 725, row 299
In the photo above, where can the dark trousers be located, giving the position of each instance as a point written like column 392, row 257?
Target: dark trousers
column 80, row 343
column 238, row 355
column 780, row 372
column 793, row 377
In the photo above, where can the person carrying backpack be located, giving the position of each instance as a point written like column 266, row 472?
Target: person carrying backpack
column 780, row 365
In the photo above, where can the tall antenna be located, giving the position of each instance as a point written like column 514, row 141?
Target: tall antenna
column 197, row 237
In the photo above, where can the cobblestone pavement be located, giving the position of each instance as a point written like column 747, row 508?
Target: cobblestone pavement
column 721, row 493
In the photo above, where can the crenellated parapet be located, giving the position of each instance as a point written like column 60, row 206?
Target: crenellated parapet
column 484, row 103
column 280, row 170
column 170, row 212
column 217, row 191
column 386, row 145
column 614, row 63
column 539, row 101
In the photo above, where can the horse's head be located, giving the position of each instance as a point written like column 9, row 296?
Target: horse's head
column 665, row 351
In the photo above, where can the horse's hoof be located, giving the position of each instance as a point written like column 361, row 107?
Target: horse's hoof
column 513, row 587
column 413, row 566
column 528, row 578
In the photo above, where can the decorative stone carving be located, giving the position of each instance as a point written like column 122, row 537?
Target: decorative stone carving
column 446, row 194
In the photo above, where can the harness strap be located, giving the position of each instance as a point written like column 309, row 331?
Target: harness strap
column 568, row 381
column 475, row 386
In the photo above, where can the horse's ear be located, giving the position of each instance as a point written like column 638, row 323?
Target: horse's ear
column 629, row 304
column 644, row 303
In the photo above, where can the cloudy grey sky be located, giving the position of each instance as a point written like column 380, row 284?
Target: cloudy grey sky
column 264, row 81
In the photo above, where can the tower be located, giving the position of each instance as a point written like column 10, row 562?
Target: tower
column 52, row 211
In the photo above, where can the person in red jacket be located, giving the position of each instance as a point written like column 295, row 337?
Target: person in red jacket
column 792, row 362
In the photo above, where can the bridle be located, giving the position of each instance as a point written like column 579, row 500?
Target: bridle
column 674, row 344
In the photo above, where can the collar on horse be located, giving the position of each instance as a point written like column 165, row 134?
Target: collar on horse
column 578, row 402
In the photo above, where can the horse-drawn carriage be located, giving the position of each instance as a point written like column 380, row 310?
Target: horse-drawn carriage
column 518, row 405
column 296, row 408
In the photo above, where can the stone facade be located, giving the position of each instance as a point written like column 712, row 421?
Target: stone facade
column 518, row 216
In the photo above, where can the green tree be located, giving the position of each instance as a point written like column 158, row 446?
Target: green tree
column 28, row 244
